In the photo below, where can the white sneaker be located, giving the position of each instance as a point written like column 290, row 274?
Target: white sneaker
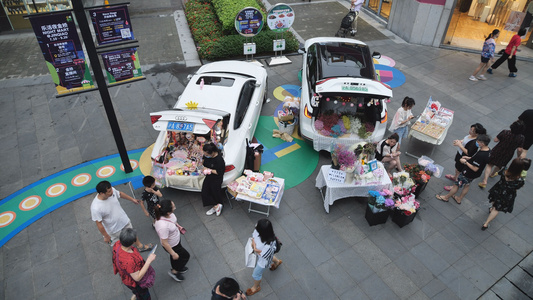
column 219, row 209
column 211, row 211
column 481, row 77
column 472, row 78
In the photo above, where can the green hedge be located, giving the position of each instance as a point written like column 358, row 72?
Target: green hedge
column 227, row 10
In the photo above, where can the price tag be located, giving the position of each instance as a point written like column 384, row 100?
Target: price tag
column 336, row 175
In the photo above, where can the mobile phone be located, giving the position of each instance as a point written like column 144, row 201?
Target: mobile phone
column 153, row 249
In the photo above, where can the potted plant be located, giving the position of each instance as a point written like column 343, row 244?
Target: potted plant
column 420, row 176
column 405, row 209
column 379, row 205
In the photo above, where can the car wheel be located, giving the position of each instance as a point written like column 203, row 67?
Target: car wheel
column 265, row 97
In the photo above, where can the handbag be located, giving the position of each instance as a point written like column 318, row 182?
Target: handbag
column 250, row 258
column 278, row 245
column 182, row 230
column 148, row 279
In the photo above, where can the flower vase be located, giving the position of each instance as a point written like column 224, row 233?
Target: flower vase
column 375, row 216
column 349, row 175
column 420, row 187
column 401, row 219
column 334, row 162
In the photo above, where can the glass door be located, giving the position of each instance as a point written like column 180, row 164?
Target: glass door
column 454, row 21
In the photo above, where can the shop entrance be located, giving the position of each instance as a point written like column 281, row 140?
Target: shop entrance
column 473, row 20
column 379, row 7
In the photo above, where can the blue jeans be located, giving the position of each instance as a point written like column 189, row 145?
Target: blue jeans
column 258, row 272
column 402, row 133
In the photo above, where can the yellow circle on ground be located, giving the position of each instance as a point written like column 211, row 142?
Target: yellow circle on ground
column 30, row 203
column 280, row 93
column 133, row 163
column 7, row 218
column 105, row 171
column 56, row 189
column 145, row 162
column 81, row 179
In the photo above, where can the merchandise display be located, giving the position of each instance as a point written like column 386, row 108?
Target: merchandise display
column 263, row 188
column 434, row 120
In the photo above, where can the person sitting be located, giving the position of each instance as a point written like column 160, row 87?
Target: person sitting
column 386, row 152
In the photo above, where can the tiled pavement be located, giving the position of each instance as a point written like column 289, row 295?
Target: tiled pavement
column 443, row 254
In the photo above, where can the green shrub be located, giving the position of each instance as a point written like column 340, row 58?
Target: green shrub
column 227, row 10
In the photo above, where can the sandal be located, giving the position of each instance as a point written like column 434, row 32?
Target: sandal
column 449, row 176
column 274, row 266
column 455, row 198
column 146, row 247
column 441, row 198
column 250, row 292
column 447, row 188
column 482, row 185
column 484, row 228
column 494, row 175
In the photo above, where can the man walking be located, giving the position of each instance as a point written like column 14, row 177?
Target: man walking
column 109, row 216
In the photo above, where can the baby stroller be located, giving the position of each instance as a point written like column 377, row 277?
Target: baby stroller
column 346, row 25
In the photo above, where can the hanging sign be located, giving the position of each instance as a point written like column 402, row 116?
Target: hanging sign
column 60, row 44
column 111, row 25
column 249, row 22
column 122, row 65
column 280, row 18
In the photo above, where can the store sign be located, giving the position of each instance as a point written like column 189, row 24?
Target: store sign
column 280, row 18
column 111, row 25
column 249, row 22
column 122, row 65
column 249, row 49
column 278, row 45
column 60, row 44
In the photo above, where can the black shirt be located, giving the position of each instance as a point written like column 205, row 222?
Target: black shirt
column 480, row 160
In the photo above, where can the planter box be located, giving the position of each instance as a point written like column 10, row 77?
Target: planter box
column 401, row 219
column 376, row 218
column 420, row 188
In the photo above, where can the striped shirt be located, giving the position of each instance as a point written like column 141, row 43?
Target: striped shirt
column 267, row 251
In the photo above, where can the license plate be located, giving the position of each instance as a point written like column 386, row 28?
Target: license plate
column 180, row 126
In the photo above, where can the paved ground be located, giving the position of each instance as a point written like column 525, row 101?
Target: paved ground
column 442, row 255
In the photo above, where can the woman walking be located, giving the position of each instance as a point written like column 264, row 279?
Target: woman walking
column 508, row 141
column 128, row 262
column 214, row 175
column 510, row 54
column 467, row 147
column 169, row 231
column 264, row 244
column 503, row 193
column 487, row 56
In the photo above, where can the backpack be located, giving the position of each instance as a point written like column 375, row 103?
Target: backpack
column 278, row 245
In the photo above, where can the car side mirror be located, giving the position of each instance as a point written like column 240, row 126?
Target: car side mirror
column 376, row 55
column 189, row 77
column 301, row 51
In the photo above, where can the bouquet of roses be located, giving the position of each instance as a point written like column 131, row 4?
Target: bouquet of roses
column 381, row 200
column 418, row 173
column 407, row 205
column 402, row 191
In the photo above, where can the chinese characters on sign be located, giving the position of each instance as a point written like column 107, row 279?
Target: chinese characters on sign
column 111, row 25
column 122, row 65
column 249, row 22
column 62, row 51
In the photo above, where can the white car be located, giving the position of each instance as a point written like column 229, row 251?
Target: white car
column 340, row 94
column 222, row 103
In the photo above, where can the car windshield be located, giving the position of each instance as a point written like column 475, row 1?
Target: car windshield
column 215, row 80
column 348, row 104
column 345, row 60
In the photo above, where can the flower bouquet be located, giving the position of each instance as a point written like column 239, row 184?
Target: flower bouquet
column 345, row 160
column 379, row 205
column 420, row 175
column 402, row 180
column 405, row 209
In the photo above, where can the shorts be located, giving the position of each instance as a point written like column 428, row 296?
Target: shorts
column 402, row 132
column 485, row 59
column 116, row 236
column 258, row 272
column 462, row 180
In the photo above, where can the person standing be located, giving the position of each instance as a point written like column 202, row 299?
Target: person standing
column 508, row 141
column 169, row 231
column 510, row 54
column 214, row 175
column 109, row 216
column 151, row 196
column 227, row 289
column 527, row 118
column 356, row 8
column 502, row 195
column 402, row 119
column 473, row 168
column 487, row 56
column 129, row 264
column 264, row 245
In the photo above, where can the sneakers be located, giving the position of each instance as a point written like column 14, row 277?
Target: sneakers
column 481, row 77
column 473, row 78
column 178, row 277
column 219, row 209
column 489, row 70
column 512, row 74
column 184, row 270
column 211, row 211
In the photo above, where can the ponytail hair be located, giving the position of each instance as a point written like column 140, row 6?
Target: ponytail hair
column 163, row 208
column 492, row 34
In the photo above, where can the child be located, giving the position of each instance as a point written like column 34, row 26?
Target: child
column 487, row 55
column 151, row 196
column 402, row 118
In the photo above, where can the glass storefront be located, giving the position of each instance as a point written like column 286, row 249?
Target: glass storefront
column 473, row 20
column 379, row 7
column 15, row 10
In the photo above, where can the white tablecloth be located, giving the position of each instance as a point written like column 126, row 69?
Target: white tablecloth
column 336, row 190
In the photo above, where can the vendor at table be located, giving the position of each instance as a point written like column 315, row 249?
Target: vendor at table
column 214, row 175
column 386, row 152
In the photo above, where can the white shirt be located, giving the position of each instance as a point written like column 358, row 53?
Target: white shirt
column 400, row 116
column 167, row 229
column 267, row 251
column 387, row 150
column 110, row 213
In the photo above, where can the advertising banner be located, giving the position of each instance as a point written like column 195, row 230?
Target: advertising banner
column 249, row 22
column 61, row 48
column 111, row 24
column 280, row 18
column 122, row 65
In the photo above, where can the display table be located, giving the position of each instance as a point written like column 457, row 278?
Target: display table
column 336, row 190
column 267, row 198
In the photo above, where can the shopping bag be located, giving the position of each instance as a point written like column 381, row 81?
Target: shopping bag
column 249, row 255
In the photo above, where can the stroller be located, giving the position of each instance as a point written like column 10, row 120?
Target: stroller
column 346, row 25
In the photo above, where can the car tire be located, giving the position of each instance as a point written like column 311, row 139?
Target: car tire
column 265, row 97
